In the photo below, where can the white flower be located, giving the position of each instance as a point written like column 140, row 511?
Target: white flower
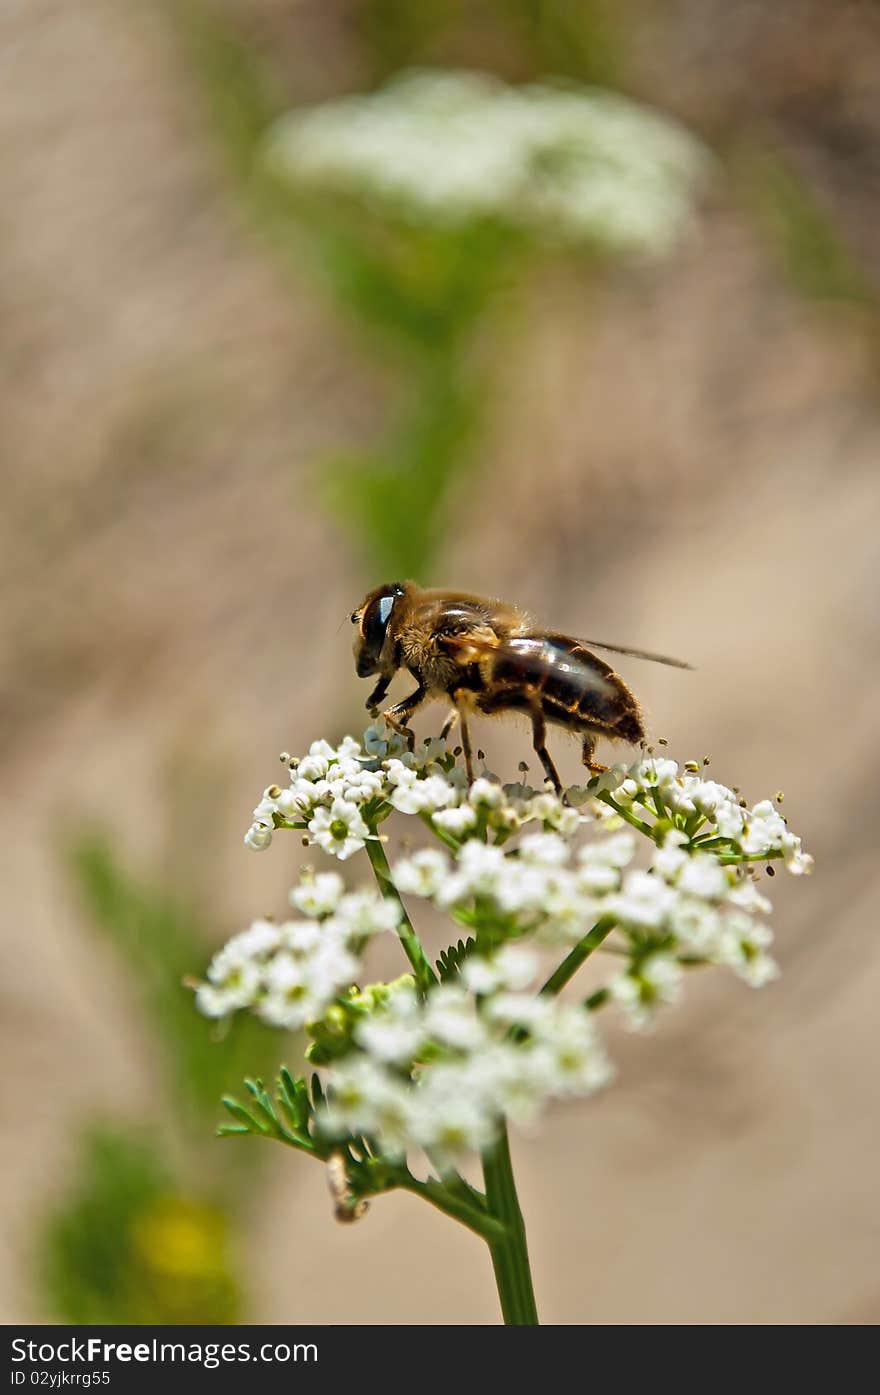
column 478, row 870
column 657, row 980
column 511, row 969
column 258, row 837
column 519, row 1009
column 610, row 780
column 451, row 1018
column 349, row 749
column 524, row 888
column 544, row 850
column 261, row 938
column 758, row 970
column 422, row 874
column 299, row 985
column 704, row 877
column 671, row 858
column 708, row 796
column 615, row 851
column 485, row 794
column 299, row 799
column 565, row 820
column 448, row 1116
column 395, row 1034
column 363, row 785
column 289, row 1001
column 746, row 896
column 423, row 795
column 626, row 991
column 366, row 1098
column 457, row 821
column 511, row 1078
column 597, row 879
column 266, row 810
column 318, row 895
column 365, row 912
column 322, row 749
column 399, row 775
column 697, row 924
column 656, row 773
column 233, row 983
column 626, row 791
column 567, row 164
column 569, row 1053
column 439, row 1068
column 339, row 830
column 303, row 937
column 643, row 902
column 728, row 819
column 314, row 767
column 743, row 945
column 797, row 861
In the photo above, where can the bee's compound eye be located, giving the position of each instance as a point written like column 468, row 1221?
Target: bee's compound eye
column 353, row 617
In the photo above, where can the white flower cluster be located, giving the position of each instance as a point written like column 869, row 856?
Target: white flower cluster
column 566, row 163
column 694, row 803
column 440, row 1074
column 290, row 973
column 327, row 792
column 434, row 1062
column 337, row 792
column 684, row 904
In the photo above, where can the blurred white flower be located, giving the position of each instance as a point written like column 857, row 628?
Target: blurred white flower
column 318, row 895
column 565, row 163
column 423, row 873
column 456, row 821
column 638, row 992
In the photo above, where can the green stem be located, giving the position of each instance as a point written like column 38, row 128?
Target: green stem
column 447, row 838
column 510, row 1256
column 732, row 859
column 630, row 818
column 412, row 946
column 582, row 950
column 451, row 1204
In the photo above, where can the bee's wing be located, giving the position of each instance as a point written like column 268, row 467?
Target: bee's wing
column 548, row 662
column 468, row 646
column 639, row 654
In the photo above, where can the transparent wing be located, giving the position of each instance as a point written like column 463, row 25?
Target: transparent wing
column 639, row 654
column 553, row 663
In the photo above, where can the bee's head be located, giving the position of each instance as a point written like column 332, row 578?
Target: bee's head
column 372, row 651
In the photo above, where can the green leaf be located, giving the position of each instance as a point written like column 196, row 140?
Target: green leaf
column 451, row 959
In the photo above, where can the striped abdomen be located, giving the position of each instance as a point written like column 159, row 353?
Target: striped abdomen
column 573, row 687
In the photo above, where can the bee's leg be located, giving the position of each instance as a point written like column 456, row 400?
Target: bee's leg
column 539, row 738
column 376, row 696
column 587, row 757
column 461, row 712
column 449, row 723
column 404, row 709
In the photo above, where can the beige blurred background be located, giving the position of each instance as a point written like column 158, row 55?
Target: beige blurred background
column 685, row 458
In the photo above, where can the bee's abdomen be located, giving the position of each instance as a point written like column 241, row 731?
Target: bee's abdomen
column 572, row 685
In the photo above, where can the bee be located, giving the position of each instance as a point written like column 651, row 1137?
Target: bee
column 484, row 657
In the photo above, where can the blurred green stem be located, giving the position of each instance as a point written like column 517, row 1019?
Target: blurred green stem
column 510, row 1256
column 582, row 950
